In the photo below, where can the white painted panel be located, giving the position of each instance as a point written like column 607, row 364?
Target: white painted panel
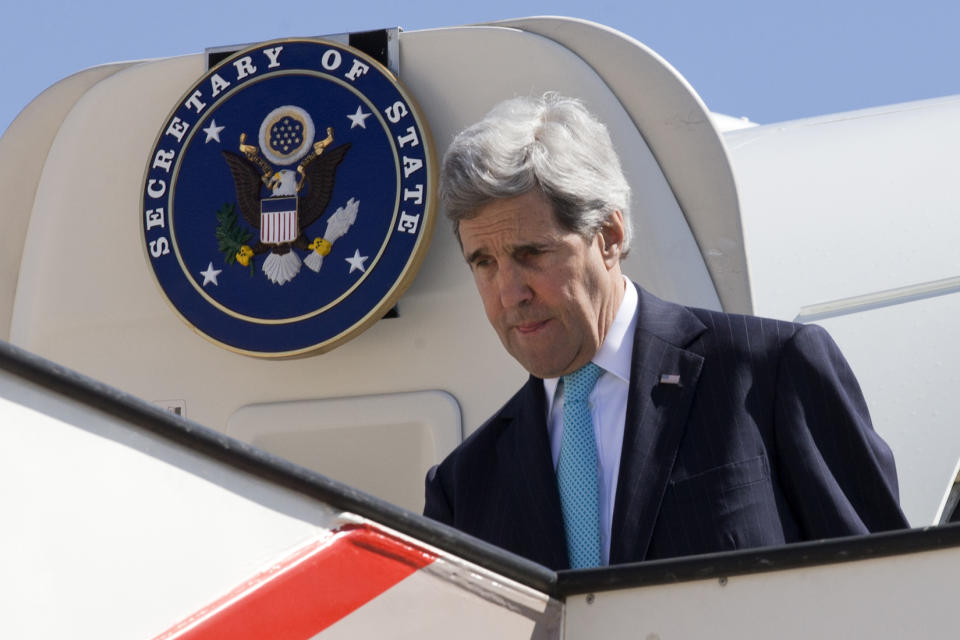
column 849, row 204
column 110, row 532
column 23, row 154
column 907, row 596
column 379, row 444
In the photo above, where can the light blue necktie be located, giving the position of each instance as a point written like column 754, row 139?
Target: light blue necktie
column 577, row 470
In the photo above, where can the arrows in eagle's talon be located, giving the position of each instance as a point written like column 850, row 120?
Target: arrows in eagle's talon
column 321, row 246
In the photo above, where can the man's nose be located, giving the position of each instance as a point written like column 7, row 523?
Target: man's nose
column 514, row 288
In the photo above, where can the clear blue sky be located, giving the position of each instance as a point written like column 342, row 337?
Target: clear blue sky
column 767, row 60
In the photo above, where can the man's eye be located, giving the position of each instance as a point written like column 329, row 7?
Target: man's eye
column 531, row 252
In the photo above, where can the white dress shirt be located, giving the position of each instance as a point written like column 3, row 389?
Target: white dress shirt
column 608, row 414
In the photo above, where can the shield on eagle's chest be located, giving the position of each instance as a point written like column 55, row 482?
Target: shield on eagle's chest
column 278, row 220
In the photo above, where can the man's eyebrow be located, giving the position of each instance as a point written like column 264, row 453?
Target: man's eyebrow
column 529, row 246
column 474, row 255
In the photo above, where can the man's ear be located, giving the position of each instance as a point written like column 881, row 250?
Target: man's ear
column 611, row 239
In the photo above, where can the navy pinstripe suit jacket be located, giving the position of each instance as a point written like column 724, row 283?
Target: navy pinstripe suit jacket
column 767, row 440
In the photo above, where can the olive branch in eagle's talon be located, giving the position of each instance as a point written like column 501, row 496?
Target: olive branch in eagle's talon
column 232, row 239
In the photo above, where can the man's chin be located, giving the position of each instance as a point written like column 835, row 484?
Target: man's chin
column 541, row 367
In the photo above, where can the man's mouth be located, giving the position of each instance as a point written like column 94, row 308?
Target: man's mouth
column 527, row 328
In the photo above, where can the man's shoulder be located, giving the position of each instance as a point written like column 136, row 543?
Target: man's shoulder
column 711, row 327
column 719, row 320
column 709, row 332
column 752, row 335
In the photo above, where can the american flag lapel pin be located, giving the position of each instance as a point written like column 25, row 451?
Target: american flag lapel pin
column 670, row 378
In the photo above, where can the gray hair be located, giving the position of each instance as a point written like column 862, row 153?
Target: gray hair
column 551, row 143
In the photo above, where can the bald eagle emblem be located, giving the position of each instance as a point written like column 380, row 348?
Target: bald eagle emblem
column 296, row 199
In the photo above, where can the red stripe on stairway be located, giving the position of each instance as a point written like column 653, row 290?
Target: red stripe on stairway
column 308, row 591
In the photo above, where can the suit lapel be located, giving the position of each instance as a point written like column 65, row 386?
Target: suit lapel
column 526, row 453
column 656, row 420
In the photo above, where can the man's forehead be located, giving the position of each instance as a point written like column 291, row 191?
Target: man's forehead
column 517, row 221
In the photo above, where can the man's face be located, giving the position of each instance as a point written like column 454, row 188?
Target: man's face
column 550, row 294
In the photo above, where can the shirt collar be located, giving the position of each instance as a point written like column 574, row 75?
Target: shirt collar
column 616, row 351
